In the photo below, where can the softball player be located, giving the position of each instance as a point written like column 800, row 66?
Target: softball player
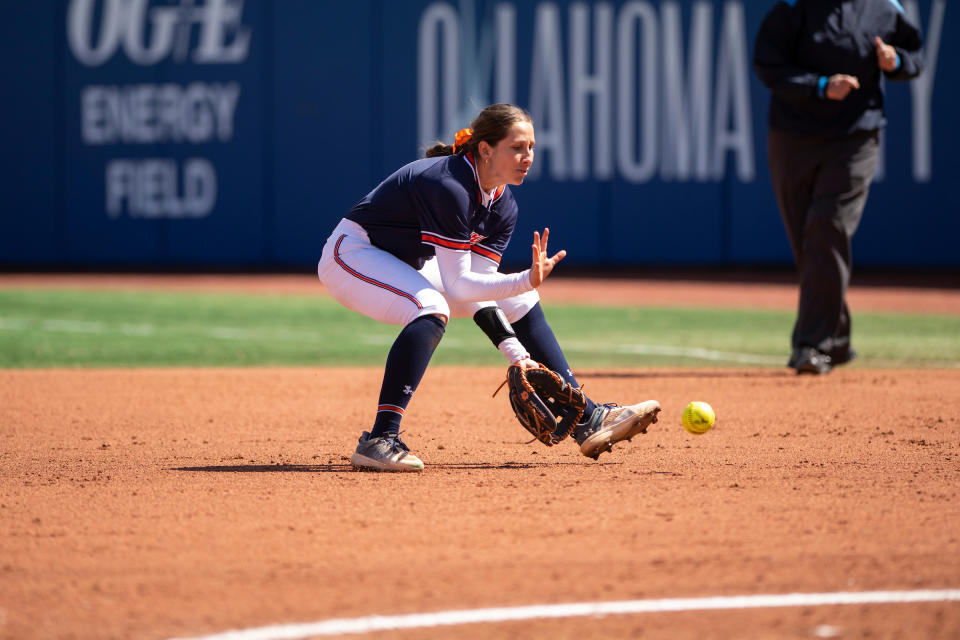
column 424, row 246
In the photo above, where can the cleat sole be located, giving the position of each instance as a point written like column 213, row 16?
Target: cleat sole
column 363, row 463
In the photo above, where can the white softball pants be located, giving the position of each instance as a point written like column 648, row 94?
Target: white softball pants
column 381, row 286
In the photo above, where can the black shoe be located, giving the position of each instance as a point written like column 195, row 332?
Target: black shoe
column 792, row 362
column 848, row 355
column 809, row 360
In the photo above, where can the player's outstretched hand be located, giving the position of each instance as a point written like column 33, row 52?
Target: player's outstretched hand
column 541, row 266
column 886, row 55
column 840, row 85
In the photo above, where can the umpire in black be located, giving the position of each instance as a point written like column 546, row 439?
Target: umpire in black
column 825, row 62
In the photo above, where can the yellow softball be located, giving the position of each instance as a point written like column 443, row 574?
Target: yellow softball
column 698, row 417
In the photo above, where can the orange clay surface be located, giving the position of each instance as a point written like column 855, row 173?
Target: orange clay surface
column 159, row 503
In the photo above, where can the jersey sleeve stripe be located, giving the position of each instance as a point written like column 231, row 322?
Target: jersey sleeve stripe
column 376, row 283
column 486, row 253
column 447, row 243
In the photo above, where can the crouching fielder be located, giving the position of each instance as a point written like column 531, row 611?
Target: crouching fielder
column 424, row 246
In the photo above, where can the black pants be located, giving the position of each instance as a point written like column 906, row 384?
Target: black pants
column 821, row 187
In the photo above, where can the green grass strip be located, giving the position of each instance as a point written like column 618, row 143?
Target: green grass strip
column 71, row 328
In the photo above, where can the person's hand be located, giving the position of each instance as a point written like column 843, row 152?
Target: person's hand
column 527, row 363
column 886, row 55
column 541, row 266
column 840, row 85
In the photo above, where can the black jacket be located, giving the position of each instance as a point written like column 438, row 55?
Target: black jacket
column 802, row 41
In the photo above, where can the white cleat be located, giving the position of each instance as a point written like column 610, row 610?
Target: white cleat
column 384, row 453
column 610, row 424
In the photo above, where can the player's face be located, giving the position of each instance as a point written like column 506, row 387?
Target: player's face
column 511, row 158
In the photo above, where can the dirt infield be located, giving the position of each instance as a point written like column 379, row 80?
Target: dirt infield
column 180, row 502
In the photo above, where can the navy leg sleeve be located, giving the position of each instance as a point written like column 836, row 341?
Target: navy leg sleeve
column 406, row 364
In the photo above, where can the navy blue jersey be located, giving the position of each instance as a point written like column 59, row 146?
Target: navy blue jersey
column 436, row 202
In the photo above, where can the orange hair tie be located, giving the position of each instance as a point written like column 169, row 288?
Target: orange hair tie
column 463, row 137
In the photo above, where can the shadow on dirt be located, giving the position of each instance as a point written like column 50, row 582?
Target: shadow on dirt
column 268, row 468
column 347, row 468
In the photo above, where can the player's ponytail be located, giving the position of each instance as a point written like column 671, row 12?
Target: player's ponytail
column 443, row 149
column 490, row 126
column 439, row 149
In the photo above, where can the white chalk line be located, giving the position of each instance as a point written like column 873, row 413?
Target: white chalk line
column 680, row 352
column 368, row 624
column 149, row 330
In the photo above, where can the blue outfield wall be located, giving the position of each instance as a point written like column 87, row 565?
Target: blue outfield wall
column 235, row 133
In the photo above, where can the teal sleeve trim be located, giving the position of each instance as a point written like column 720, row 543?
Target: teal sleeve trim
column 822, row 86
column 897, row 68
